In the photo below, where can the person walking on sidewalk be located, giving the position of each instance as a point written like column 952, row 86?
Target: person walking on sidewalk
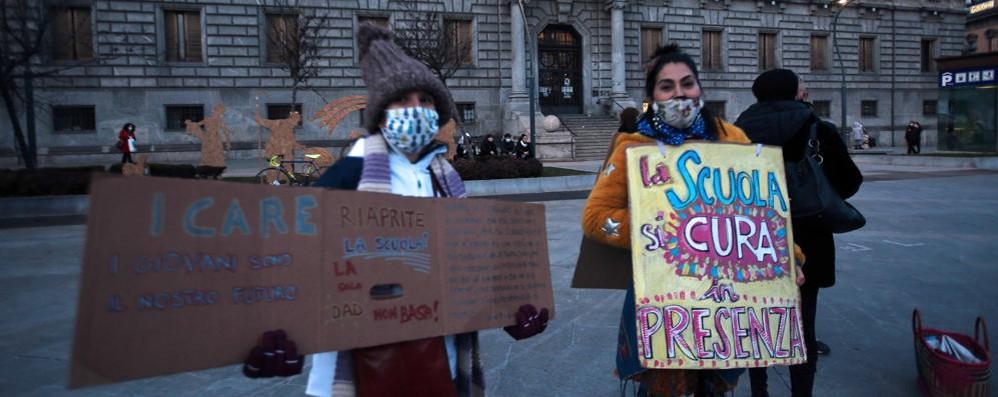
column 858, row 135
column 126, row 143
column 913, row 137
column 780, row 118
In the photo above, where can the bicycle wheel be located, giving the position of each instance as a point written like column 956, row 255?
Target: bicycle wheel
column 273, row 176
column 314, row 173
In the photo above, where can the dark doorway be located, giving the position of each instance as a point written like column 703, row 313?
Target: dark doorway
column 559, row 68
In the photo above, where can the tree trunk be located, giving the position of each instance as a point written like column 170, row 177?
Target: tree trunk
column 29, row 114
column 21, row 145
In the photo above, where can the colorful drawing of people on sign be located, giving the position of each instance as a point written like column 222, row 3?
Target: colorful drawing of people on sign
column 713, row 257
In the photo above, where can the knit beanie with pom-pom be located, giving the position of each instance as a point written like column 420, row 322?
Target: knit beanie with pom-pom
column 389, row 72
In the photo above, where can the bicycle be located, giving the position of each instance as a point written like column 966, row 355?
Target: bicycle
column 278, row 174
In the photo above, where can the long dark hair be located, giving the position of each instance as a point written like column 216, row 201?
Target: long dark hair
column 629, row 120
column 128, row 130
column 664, row 55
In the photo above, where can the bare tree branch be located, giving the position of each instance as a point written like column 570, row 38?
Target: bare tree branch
column 423, row 33
column 23, row 30
column 293, row 34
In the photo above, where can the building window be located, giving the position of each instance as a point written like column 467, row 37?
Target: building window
column 176, row 115
column 73, row 119
column 867, row 53
column 281, row 111
column 72, row 36
column 459, row 41
column 711, row 50
column 282, row 37
column 868, row 108
column 819, row 53
column 183, row 35
column 716, row 107
column 651, row 38
column 823, row 108
column 374, row 20
column 466, row 111
column 767, row 51
column 971, row 41
column 928, row 55
column 929, row 107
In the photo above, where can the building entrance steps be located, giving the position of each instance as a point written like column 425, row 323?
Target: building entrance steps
column 592, row 134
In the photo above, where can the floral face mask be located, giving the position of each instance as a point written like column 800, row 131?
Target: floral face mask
column 678, row 112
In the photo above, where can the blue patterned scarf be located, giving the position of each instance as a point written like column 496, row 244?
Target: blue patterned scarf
column 658, row 129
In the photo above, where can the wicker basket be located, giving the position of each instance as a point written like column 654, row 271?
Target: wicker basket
column 940, row 375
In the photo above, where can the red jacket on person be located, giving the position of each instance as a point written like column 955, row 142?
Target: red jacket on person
column 123, row 137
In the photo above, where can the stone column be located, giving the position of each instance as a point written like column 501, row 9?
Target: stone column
column 619, row 89
column 519, row 72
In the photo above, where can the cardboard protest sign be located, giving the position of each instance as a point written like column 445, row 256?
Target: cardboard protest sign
column 712, row 249
column 184, row 275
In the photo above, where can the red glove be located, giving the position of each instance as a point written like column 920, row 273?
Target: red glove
column 276, row 355
column 528, row 322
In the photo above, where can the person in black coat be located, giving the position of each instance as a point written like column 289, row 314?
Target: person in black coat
column 913, row 136
column 489, row 146
column 523, row 147
column 507, row 145
column 780, row 118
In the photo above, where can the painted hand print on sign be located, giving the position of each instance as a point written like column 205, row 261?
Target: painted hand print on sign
column 713, row 257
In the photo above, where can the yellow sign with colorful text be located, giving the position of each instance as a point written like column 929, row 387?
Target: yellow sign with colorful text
column 712, row 247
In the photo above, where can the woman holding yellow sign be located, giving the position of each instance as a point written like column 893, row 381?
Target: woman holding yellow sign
column 676, row 116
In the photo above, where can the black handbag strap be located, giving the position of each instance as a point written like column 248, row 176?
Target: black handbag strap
column 814, row 145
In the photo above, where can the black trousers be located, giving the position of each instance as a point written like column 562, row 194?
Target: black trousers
column 126, row 157
column 801, row 375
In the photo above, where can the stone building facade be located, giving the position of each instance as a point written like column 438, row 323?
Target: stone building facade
column 982, row 27
column 590, row 56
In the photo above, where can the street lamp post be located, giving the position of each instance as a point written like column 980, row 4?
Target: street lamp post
column 530, row 85
column 838, row 55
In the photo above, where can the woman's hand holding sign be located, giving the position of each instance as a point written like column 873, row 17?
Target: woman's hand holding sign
column 276, row 355
column 528, row 322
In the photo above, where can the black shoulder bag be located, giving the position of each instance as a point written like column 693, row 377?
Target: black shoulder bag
column 812, row 197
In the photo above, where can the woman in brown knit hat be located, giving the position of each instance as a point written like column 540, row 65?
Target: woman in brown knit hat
column 407, row 104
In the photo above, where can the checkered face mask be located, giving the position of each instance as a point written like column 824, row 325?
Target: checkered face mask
column 409, row 130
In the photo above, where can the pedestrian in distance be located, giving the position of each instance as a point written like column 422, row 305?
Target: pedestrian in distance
column 489, row 147
column 857, row 135
column 508, row 146
column 952, row 139
column 780, row 118
column 523, row 147
column 677, row 115
column 913, row 137
column 407, row 105
column 126, row 143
